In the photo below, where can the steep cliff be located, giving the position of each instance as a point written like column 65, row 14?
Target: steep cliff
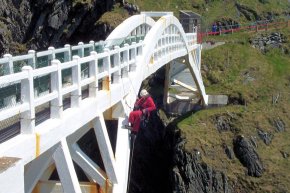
column 31, row 24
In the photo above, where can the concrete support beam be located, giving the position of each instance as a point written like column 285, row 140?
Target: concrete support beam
column 118, row 110
column 47, row 173
column 11, row 175
column 105, row 147
column 88, row 165
column 184, row 85
column 65, row 169
column 73, row 138
column 122, row 158
column 36, row 168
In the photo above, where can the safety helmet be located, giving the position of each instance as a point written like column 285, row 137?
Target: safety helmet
column 143, row 93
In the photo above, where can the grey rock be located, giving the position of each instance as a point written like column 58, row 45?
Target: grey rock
column 194, row 176
column 265, row 41
column 53, row 22
column 253, row 141
column 248, row 156
column 285, row 154
column 44, row 23
column 279, row 125
column 229, row 152
column 266, row 137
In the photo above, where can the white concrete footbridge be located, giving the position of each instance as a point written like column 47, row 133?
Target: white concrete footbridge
column 50, row 99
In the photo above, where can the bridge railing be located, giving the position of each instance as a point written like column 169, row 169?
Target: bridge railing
column 104, row 69
column 51, row 81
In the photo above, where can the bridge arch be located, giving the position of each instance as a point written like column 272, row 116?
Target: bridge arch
column 168, row 29
column 137, row 25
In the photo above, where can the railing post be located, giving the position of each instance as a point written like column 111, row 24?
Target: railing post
column 133, row 53
column 56, row 106
column 81, row 50
column 107, row 65
column 199, row 57
column 52, row 56
column 126, row 59
column 9, row 68
column 117, row 75
column 67, row 55
column 27, row 96
column 76, row 80
column 32, row 61
column 140, row 48
column 92, row 48
column 94, row 87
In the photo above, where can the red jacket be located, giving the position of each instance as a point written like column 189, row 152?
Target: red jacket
column 146, row 103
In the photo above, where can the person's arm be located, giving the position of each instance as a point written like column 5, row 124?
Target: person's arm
column 137, row 104
column 150, row 105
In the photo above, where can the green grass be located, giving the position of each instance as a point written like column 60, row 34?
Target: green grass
column 114, row 17
column 281, row 63
column 215, row 10
column 227, row 66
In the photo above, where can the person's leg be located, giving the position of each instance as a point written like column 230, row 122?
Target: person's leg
column 134, row 119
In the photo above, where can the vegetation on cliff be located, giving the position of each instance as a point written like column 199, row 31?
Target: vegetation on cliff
column 258, row 88
column 213, row 10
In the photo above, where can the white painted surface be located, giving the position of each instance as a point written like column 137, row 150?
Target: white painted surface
column 105, row 147
column 122, row 157
column 12, row 178
column 164, row 42
column 65, row 168
column 90, row 168
column 36, row 168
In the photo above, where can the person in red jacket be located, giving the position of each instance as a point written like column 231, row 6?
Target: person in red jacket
column 143, row 106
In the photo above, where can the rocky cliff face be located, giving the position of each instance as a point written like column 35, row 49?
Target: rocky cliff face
column 152, row 155
column 191, row 174
column 161, row 164
column 39, row 24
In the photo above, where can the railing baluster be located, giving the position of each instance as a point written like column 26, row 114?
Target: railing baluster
column 52, row 56
column 76, row 80
column 92, row 47
column 133, row 55
column 67, row 55
column 56, row 106
column 32, row 61
column 126, row 59
column 27, row 96
column 9, row 68
column 140, row 48
column 117, row 75
column 81, row 50
column 107, row 66
column 93, row 87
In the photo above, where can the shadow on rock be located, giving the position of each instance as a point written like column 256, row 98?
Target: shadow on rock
column 151, row 163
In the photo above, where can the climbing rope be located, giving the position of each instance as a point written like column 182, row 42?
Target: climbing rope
column 132, row 145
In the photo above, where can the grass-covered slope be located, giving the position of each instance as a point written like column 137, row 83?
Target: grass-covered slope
column 258, row 86
column 212, row 10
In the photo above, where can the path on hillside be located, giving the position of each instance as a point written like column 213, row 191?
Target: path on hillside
column 210, row 45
